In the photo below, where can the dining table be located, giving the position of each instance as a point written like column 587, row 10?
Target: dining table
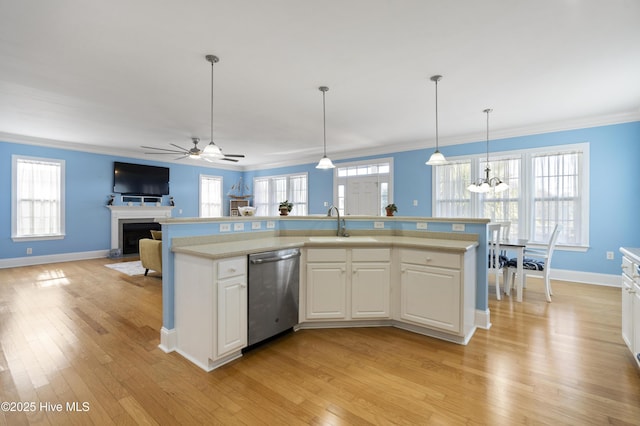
column 517, row 245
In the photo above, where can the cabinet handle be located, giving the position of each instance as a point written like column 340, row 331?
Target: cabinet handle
column 427, row 260
column 243, row 286
column 354, row 271
column 403, row 270
column 232, row 270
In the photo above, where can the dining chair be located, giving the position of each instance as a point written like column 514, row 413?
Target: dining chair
column 537, row 263
column 497, row 260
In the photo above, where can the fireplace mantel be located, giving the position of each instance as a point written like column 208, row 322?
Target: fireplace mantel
column 134, row 212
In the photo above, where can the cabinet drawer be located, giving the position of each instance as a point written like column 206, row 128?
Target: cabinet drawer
column 326, row 255
column 371, row 255
column 430, row 258
column 627, row 266
column 232, row 267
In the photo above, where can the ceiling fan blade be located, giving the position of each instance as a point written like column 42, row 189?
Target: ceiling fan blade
column 205, row 159
column 234, row 155
column 229, row 159
column 164, row 153
column 180, row 158
column 160, row 149
column 179, row 147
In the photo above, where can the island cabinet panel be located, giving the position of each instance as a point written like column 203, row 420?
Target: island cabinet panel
column 437, row 290
column 430, row 296
column 232, row 314
column 326, row 290
column 340, row 288
column 210, row 308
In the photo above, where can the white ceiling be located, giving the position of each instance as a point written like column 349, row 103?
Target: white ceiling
column 118, row 74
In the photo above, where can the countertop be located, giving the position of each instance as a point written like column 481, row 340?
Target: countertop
column 632, row 253
column 245, row 247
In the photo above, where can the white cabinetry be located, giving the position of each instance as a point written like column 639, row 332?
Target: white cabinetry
column 435, row 292
column 370, row 283
column 343, row 284
column 326, row 284
column 631, row 305
column 210, row 308
column 232, row 305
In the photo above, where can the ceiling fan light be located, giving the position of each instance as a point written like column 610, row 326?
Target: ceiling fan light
column 436, row 159
column 212, row 151
column 325, row 163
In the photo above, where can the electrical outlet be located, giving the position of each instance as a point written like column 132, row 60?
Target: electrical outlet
column 421, row 225
column 271, row 224
column 457, row 227
column 378, row 225
column 609, row 255
column 326, row 204
column 415, row 203
column 179, row 211
column 238, row 226
column 29, row 250
column 225, row 227
column 256, row 225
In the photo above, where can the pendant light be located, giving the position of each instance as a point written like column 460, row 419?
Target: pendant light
column 325, row 162
column 484, row 185
column 212, row 150
column 436, row 159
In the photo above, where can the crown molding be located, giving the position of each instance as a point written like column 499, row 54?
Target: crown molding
column 549, row 127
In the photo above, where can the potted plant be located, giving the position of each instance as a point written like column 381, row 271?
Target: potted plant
column 391, row 208
column 285, row 207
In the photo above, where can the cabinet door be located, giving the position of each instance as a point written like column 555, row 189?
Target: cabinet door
column 370, row 290
column 627, row 311
column 326, row 291
column 430, row 296
column 232, row 315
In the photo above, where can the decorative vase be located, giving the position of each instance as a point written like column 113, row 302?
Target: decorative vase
column 284, row 211
column 389, row 212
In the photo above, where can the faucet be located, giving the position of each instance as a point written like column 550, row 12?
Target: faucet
column 340, row 232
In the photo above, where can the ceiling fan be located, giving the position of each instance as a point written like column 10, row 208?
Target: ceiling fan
column 195, row 152
column 211, row 152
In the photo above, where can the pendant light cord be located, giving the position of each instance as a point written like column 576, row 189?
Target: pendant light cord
column 324, row 123
column 211, row 139
column 437, row 146
column 487, row 169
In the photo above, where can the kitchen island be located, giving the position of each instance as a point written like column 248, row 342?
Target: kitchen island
column 422, row 282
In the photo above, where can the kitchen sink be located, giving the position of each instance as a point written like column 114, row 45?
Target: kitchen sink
column 336, row 239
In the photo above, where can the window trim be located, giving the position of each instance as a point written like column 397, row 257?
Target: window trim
column 14, row 201
column 213, row 177
column 526, row 204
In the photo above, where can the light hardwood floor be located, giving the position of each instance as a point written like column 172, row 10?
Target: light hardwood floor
column 82, row 333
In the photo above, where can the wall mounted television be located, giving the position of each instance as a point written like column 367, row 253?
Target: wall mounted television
column 139, row 179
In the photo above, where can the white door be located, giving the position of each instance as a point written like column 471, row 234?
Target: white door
column 362, row 196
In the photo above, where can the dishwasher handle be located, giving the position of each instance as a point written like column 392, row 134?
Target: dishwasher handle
column 274, row 258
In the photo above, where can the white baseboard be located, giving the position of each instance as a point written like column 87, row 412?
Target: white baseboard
column 15, row 262
column 168, row 340
column 483, row 319
column 594, row 278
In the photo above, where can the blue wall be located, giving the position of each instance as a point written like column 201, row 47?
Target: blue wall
column 615, row 180
column 89, row 182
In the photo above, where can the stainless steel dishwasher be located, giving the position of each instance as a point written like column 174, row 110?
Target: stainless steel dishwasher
column 273, row 293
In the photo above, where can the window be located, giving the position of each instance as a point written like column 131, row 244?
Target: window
column 270, row 191
column 37, row 203
column 210, row 196
column 547, row 187
column 364, row 187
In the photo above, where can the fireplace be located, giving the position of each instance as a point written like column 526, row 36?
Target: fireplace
column 122, row 215
column 132, row 231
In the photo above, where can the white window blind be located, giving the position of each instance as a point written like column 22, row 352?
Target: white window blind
column 38, row 198
column 210, row 196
